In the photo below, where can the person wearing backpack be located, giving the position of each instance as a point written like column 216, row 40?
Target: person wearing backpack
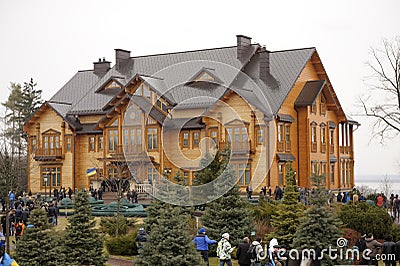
column 224, row 250
column 256, row 252
column 19, row 230
column 242, row 252
column 202, row 241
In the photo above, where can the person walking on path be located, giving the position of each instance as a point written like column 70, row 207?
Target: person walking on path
column 242, row 252
column 202, row 241
column 224, row 250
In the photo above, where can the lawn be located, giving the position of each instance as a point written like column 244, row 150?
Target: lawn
column 215, row 262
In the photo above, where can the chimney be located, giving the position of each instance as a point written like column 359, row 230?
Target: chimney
column 121, row 57
column 243, row 45
column 101, row 67
column 263, row 56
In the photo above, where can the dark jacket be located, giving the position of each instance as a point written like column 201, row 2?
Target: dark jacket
column 373, row 245
column 388, row 247
column 241, row 253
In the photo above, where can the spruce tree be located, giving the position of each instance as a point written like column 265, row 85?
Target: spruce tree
column 320, row 228
column 288, row 214
column 83, row 245
column 36, row 246
column 168, row 242
column 231, row 214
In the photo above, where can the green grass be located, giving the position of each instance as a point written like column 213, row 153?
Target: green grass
column 215, row 262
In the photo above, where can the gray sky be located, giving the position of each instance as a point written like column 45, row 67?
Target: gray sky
column 51, row 40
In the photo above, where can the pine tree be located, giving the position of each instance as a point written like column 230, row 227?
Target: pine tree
column 83, row 245
column 288, row 214
column 31, row 99
column 228, row 214
column 168, row 242
column 36, row 246
column 320, row 228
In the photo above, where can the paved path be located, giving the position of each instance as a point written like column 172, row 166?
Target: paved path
column 119, row 262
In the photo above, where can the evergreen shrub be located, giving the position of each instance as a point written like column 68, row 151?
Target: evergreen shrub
column 124, row 245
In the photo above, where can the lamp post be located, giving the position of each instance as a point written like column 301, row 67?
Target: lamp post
column 49, row 173
column 45, row 187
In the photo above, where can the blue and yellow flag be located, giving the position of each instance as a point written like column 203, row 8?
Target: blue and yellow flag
column 91, row 171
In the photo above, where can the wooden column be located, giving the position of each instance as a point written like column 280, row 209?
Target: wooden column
column 62, row 138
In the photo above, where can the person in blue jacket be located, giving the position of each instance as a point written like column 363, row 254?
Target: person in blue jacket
column 202, row 241
column 5, row 259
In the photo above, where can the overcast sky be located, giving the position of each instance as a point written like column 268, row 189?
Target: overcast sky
column 51, row 40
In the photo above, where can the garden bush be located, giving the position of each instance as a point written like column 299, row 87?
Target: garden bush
column 123, row 245
column 366, row 219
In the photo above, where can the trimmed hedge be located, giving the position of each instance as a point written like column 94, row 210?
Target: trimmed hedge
column 123, row 245
column 366, row 219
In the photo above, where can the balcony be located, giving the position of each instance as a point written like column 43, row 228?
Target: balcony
column 313, row 147
column 237, row 147
column 323, row 147
column 42, row 154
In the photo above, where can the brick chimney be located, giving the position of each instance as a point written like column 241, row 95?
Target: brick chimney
column 121, row 57
column 243, row 45
column 263, row 56
column 101, row 67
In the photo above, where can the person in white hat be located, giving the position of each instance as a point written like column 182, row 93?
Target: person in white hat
column 224, row 250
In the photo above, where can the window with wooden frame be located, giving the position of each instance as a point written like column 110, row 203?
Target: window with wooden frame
column 152, row 138
column 186, row 177
column 323, row 138
column 260, row 135
column 100, row 173
column 51, row 144
column 68, row 145
column 214, row 136
column 33, row 143
column 287, row 138
column 323, row 105
column 51, row 174
column 195, row 139
column 237, row 137
column 313, row 137
column 314, row 107
column 281, row 132
column 323, row 168
column 152, row 175
column 92, row 143
column 243, row 170
column 185, row 139
column 331, row 140
column 332, row 173
column 112, row 173
column 314, row 167
column 112, row 139
column 162, row 105
column 281, row 173
column 100, row 143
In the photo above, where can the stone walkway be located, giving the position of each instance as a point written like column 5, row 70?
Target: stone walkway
column 119, row 262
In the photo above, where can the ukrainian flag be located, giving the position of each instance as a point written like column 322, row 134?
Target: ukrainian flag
column 91, row 171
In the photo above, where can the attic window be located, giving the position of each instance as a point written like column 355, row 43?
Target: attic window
column 113, row 85
column 204, row 76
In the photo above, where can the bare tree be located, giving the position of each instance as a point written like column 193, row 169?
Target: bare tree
column 8, row 182
column 383, row 100
column 386, row 185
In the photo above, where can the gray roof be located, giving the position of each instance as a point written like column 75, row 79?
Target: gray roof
column 309, row 93
column 170, row 75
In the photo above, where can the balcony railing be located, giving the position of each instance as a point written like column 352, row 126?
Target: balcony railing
column 288, row 146
column 48, row 154
column 237, row 147
column 313, row 147
column 323, row 147
column 280, row 146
